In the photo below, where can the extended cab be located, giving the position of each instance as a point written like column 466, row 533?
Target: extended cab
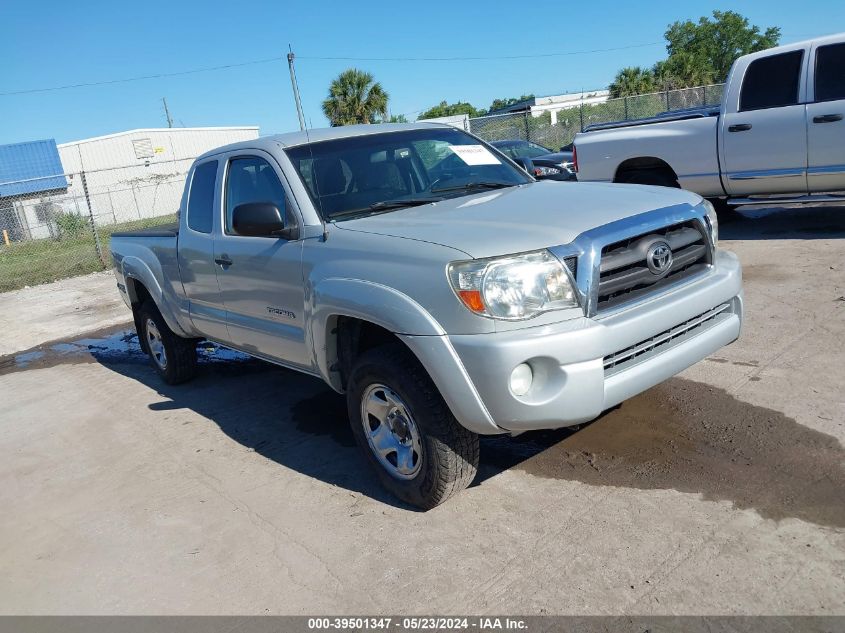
column 779, row 135
column 435, row 283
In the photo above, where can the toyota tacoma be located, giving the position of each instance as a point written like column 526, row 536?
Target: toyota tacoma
column 438, row 286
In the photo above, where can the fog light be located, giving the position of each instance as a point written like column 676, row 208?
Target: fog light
column 521, row 379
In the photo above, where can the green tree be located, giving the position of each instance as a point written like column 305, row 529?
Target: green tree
column 355, row 97
column 632, row 80
column 498, row 104
column 703, row 51
column 450, row 109
column 700, row 53
column 397, row 118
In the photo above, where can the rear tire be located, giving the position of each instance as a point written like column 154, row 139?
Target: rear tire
column 173, row 357
column 420, row 452
column 649, row 177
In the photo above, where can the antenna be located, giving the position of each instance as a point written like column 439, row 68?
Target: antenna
column 317, row 187
column 295, row 87
column 167, row 113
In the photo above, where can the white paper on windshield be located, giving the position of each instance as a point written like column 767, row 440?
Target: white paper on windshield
column 475, row 155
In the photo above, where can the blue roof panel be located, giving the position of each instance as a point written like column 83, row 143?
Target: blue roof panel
column 30, row 168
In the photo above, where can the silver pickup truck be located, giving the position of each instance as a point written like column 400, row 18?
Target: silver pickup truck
column 777, row 138
column 422, row 273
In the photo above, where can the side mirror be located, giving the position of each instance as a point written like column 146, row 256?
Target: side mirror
column 526, row 163
column 259, row 219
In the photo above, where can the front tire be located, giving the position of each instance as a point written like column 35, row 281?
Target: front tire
column 173, row 357
column 420, row 452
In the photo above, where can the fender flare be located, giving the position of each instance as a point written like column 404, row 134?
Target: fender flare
column 135, row 270
column 366, row 300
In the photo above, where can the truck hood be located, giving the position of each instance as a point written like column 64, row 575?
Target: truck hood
column 525, row 218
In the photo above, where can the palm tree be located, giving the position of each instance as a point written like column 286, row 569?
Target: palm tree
column 632, row 81
column 688, row 71
column 355, row 98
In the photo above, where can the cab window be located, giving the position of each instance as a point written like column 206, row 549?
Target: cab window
column 830, row 72
column 201, row 198
column 251, row 179
column 771, row 82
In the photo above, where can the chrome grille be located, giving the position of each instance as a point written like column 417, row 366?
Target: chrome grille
column 572, row 264
column 624, row 272
column 664, row 340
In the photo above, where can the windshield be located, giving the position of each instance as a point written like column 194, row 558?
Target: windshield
column 376, row 173
column 529, row 150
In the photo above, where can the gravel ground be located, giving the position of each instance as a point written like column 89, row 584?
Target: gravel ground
column 721, row 491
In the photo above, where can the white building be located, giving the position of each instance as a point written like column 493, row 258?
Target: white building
column 139, row 173
column 554, row 104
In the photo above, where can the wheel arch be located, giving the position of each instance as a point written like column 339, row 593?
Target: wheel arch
column 366, row 312
column 641, row 164
column 141, row 288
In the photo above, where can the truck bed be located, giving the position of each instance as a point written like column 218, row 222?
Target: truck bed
column 673, row 115
column 164, row 230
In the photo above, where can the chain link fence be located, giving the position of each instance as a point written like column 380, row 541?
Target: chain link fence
column 59, row 226
column 555, row 129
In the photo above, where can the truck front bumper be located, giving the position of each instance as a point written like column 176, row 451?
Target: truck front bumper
column 583, row 366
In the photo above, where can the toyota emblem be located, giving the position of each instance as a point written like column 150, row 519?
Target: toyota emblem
column 659, row 258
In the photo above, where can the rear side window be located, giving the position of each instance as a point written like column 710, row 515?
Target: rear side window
column 771, row 82
column 201, row 198
column 830, row 72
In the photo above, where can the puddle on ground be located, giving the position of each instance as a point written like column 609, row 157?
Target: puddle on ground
column 691, row 437
column 115, row 345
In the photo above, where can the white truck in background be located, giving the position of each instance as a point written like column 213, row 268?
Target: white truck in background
column 778, row 136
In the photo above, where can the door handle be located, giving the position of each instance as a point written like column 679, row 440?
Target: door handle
column 827, row 118
column 740, row 127
column 223, row 261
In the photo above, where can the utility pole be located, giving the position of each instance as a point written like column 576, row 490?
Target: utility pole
column 295, row 89
column 167, row 113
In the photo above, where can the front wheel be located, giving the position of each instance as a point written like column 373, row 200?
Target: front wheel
column 419, row 450
column 173, row 357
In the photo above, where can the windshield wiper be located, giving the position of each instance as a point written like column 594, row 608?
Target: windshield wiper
column 385, row 205
column 478, row 184
column 407, row 202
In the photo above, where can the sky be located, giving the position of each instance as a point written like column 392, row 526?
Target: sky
column 47, row 44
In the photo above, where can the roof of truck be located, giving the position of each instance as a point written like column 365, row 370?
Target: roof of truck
column 835, row 38
column 292, row 139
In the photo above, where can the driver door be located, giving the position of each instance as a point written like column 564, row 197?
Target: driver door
column 261, row 277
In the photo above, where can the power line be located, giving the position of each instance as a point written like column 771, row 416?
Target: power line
column 143, row 77
column 479, row 58
column 317, row 58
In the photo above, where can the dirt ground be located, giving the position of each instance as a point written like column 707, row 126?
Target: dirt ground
column 38, row 314
column 721, row 491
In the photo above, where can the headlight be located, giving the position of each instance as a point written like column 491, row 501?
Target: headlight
column 513, row 287
column 546, row 171
column 712, row 220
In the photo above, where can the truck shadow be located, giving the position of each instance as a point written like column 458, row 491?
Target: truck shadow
column 798, row 222
column 681, row 435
